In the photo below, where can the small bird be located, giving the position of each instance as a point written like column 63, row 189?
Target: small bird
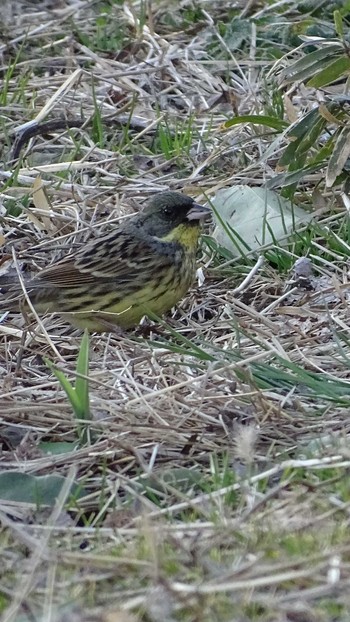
column 144, row 266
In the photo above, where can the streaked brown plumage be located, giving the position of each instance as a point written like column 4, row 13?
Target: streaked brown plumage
column 144, row 266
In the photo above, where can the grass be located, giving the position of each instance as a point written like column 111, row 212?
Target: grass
column 214, row 483
column 78, row 395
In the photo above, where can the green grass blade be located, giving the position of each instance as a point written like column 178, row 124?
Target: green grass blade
column 259, row 119
column 68, row 389
column 82, row 381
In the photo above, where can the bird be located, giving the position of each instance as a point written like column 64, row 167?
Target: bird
column 142, row 267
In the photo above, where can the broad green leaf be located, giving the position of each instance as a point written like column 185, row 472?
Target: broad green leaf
column 324, row 153
column 286, row 179
column 310, row 72
column 257, row 215
column 288, row 155
column 237, row 31
column 258, row 119
column 332, row 72
column 303, row 126
column 310, row 138
column 340, row 154
column 60, row 447
column 299, row 163
column 310, row 63
column 301, row 145
column 37, row 489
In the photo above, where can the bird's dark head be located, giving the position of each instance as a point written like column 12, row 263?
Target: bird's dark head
column 167, row 210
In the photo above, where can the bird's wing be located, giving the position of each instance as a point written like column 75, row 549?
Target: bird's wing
column 62, row 274
column 117, row 257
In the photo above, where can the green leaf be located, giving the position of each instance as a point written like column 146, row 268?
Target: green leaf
column 286, row 179
column 324, row 153
column 193, row 349
column 332, row 72
column 82, row 383
column 256, row 216
column 67, row 387
column 304, row 125
column 338, row 23
column 237, row 31
column 310, row 138
column 310, row 63
column 37, row 489
column 302, row 381
column 298, row 148
column 61, row 447
column 258, row 119
column 288, row 155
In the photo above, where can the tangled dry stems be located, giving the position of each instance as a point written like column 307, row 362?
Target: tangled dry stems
column 157, row 411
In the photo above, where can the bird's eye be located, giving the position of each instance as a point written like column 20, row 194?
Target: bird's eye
column 166, row 211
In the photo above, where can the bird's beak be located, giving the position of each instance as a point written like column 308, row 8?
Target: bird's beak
column 198, row 212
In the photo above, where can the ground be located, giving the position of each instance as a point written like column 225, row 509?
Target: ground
column 210, row 480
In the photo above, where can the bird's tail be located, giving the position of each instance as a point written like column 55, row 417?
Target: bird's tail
column 11, row 293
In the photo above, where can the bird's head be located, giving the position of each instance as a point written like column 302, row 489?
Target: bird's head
column 167, row 210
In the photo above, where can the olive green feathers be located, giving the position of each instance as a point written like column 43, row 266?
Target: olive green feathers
column 142, row 267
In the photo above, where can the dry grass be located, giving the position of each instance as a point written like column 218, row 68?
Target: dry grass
column 217, row 478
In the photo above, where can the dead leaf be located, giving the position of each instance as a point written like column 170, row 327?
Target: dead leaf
column 41, row 203
column 291, row 110
column 296, row 312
